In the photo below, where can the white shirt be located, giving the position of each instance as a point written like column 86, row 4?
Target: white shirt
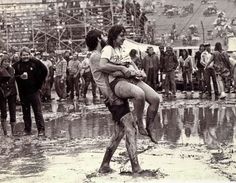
column 205, row 58
column 116, row 56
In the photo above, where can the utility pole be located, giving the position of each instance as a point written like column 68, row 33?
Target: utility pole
column 203, row 32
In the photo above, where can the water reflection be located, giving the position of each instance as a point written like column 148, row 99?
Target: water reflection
column 212, row 126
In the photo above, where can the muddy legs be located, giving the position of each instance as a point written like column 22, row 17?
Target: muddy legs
column 125, row 127
column 131, row 141
column 115, row 140
column 4, row 126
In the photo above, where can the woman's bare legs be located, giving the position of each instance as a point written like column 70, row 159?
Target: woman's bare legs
column 125, row 89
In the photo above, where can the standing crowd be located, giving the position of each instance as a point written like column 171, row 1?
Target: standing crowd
column 120, row 78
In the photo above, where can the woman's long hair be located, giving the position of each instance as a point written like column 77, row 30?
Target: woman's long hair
column 186, row 55
column 113, row 33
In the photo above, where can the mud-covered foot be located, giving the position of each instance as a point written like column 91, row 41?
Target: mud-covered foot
column 105, row 169
column 151, row 134
column 142, row 130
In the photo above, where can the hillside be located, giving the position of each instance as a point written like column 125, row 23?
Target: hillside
column 163, row 23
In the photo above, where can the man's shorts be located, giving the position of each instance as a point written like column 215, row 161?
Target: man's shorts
column 118, row 111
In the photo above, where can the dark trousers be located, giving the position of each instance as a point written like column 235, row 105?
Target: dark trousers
column 74, row 85
column 11, row 101
column 26, row 102
column 46, row 91
column 151, row 80
column 201, row 79
column 170, row 82
column 210, row 73
column 60, row 87
column 188, row 76
column 88, row 78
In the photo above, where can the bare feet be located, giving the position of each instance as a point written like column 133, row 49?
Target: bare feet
column 141, row 128
column 105, row 169
column 151, row 134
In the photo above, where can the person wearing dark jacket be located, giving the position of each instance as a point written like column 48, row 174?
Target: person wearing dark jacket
column 200, row 70
column 8, row 96
column 151, row 66
column 170, row 65
column 30, row 74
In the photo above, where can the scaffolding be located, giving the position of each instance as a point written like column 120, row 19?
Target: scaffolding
column 58, row 24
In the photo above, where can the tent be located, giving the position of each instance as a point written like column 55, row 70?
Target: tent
column 140, row 47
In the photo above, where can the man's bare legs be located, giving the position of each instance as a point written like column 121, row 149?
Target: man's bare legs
column 125, row 89
column 125, row 127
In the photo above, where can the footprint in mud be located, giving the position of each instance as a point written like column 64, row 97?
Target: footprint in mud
column 145, row 173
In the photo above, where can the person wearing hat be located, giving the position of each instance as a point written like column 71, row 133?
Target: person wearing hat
column 46, row 88
column 209, row 71
column 151, row 66
column 8, row 95
column 169, row 67
column 30, row 74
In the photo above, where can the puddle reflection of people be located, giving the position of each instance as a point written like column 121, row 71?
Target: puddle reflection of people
column 124, row 121
column 225, row 125
column 209, row 129
column 172, row 131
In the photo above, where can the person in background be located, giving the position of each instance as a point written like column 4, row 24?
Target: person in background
column 38, row 55
column 74, row 69
column 221, row 64
column 200, row 70
column 232, row 60
column 186, row 66
column 15, row 58
column 60, row 77
column 162, row 61
column 170, row 65
column 88, row 78
column 46, row 88
column 133, row 55
column 8, row 96
column 209, row 70
column 151, row 66
column 30, row 74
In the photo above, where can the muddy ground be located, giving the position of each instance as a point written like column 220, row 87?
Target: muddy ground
column 197, row 139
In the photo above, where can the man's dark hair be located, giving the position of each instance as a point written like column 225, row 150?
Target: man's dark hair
column 218, row 47
column 92, row 39
column 132, row 53
column 113, row 33
column 201, row 45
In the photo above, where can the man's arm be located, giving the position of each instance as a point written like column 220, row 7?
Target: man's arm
column 107, row 67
